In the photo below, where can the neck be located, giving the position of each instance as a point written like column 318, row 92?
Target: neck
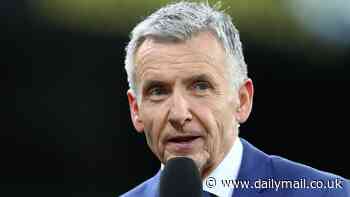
column 212, row 165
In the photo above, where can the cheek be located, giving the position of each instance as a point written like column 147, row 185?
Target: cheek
column 208, row 116
column 213, row 115
column 153, row 120
column 217, row 118
column 150, row 131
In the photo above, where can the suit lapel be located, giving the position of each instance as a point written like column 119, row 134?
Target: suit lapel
column 152, row 188
column 255, row 165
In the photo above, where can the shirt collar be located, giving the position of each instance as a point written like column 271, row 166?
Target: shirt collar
column 227, row 170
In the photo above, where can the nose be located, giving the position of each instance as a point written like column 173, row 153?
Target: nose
column 179, row 112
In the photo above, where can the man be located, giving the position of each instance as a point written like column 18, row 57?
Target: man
column 189, row 92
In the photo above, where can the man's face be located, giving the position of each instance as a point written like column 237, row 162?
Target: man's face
column 187, row 105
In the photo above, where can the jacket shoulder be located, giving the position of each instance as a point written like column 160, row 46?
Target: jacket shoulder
column 321, row 181
column 147, row 188
column 285, row 168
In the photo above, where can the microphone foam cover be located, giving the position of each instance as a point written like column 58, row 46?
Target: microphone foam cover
column 180, row 178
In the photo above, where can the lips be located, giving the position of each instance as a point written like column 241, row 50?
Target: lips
column 183, row 144
column 182, row 139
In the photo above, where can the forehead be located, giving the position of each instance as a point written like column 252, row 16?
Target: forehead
column 202, row 53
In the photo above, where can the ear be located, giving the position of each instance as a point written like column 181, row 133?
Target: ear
column 134, row 112
column 245, row 96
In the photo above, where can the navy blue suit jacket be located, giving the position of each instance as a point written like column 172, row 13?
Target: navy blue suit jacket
column 257, row 167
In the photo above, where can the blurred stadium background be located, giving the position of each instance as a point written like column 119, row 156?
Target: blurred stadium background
column 69, row 133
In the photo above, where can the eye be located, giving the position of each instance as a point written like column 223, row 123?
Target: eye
column 156, row 91
column 201, row 86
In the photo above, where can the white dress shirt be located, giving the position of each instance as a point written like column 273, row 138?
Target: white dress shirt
column 227, row 170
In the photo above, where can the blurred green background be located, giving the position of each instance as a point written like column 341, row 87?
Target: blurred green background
column 281, row 21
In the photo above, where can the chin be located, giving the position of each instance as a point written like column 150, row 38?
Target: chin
column 201, row 158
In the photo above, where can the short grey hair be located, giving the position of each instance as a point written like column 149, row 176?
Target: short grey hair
column 181, row 21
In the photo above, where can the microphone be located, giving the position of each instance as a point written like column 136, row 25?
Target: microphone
column 180, row 177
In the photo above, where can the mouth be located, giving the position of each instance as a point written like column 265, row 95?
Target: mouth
column 183, row 144
column 183, row 139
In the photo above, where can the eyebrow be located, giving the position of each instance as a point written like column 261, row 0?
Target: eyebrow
column 151, row 83
column 196, row 77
